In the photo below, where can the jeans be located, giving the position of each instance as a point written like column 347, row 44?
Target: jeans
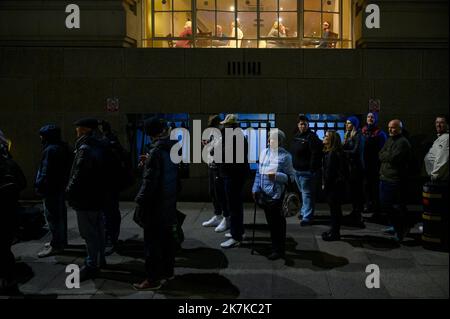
column 306, row 181
column 392, row 200
column 55, row 211
column 112, row 218
column 233, row 186
column 217, row 193
column 159, row 246
column 90, row 224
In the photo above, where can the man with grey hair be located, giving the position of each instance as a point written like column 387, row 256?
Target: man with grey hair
column 436, row 160
column 394, row 158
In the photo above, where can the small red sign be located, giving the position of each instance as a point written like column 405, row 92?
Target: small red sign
column 112, row 105
column 374, row 105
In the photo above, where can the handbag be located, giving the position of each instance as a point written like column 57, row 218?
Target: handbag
column 264, row 201
column 138, row 216
column 291, row 200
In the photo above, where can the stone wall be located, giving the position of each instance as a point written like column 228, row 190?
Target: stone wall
column 110, row 23
column 42, row 85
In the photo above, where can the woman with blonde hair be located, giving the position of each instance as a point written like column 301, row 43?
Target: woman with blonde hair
column 334, row 176
column 278, row 31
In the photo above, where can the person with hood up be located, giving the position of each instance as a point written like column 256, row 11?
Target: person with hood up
column 354, row 150
column 157, row 198
column 51, row 181
column 374, row 139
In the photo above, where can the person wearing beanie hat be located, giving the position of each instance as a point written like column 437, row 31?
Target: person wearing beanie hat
column 374, row 139
column 157, row 200
column 353, row 150
column 50, row 183
column 273, row 174
column 86, row 192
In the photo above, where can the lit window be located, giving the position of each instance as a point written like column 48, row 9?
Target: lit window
column 245, row 24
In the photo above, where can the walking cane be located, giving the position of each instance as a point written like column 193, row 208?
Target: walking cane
column 254, row 227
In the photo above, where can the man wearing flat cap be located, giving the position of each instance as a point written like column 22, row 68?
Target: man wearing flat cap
column 234, row 171
column 86, row 192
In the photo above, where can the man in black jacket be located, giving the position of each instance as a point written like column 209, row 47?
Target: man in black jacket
column 394, row 157
column 234, row 170
column 306, row 150
column 157, row 197
column 86, row 192
column 12, row 181
column 51, row 182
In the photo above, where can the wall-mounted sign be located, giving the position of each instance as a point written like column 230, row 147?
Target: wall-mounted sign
column 374, row 105
column 112, row 105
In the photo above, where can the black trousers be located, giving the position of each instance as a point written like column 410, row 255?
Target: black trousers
column 334, row 202
column 7, row 227
column 112, row 217
column 159, row 245
column 217, row 193
column 277, row 225
column 233, row 191
column 371, row 189
column 357, row 190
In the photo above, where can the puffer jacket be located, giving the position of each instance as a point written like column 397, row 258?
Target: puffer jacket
column 54, row 169
column 158, row 192
column 88, row 180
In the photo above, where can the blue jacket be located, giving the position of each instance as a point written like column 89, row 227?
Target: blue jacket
column 281, row 165
column 53, row 173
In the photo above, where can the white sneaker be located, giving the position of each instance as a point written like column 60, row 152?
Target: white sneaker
column 230, row 243
column 228, row 235
column 223, row 226
column 47, row 245
column 213, row 222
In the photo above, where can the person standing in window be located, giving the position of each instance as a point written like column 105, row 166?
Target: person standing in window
column 334, row 175
column 187, row 32
column 237, row 33
column 353, row 149
column 274, row 171
column 306, row 150
column 328, row 37
column 278, row 31
column 219, row 34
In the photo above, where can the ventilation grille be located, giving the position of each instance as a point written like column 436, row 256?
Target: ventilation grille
column 244, row 68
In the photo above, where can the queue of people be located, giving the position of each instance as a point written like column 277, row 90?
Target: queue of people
column 91, row 178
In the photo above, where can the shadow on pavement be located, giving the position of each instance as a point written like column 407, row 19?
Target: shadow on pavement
column 370, row 242
column 200, row 285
